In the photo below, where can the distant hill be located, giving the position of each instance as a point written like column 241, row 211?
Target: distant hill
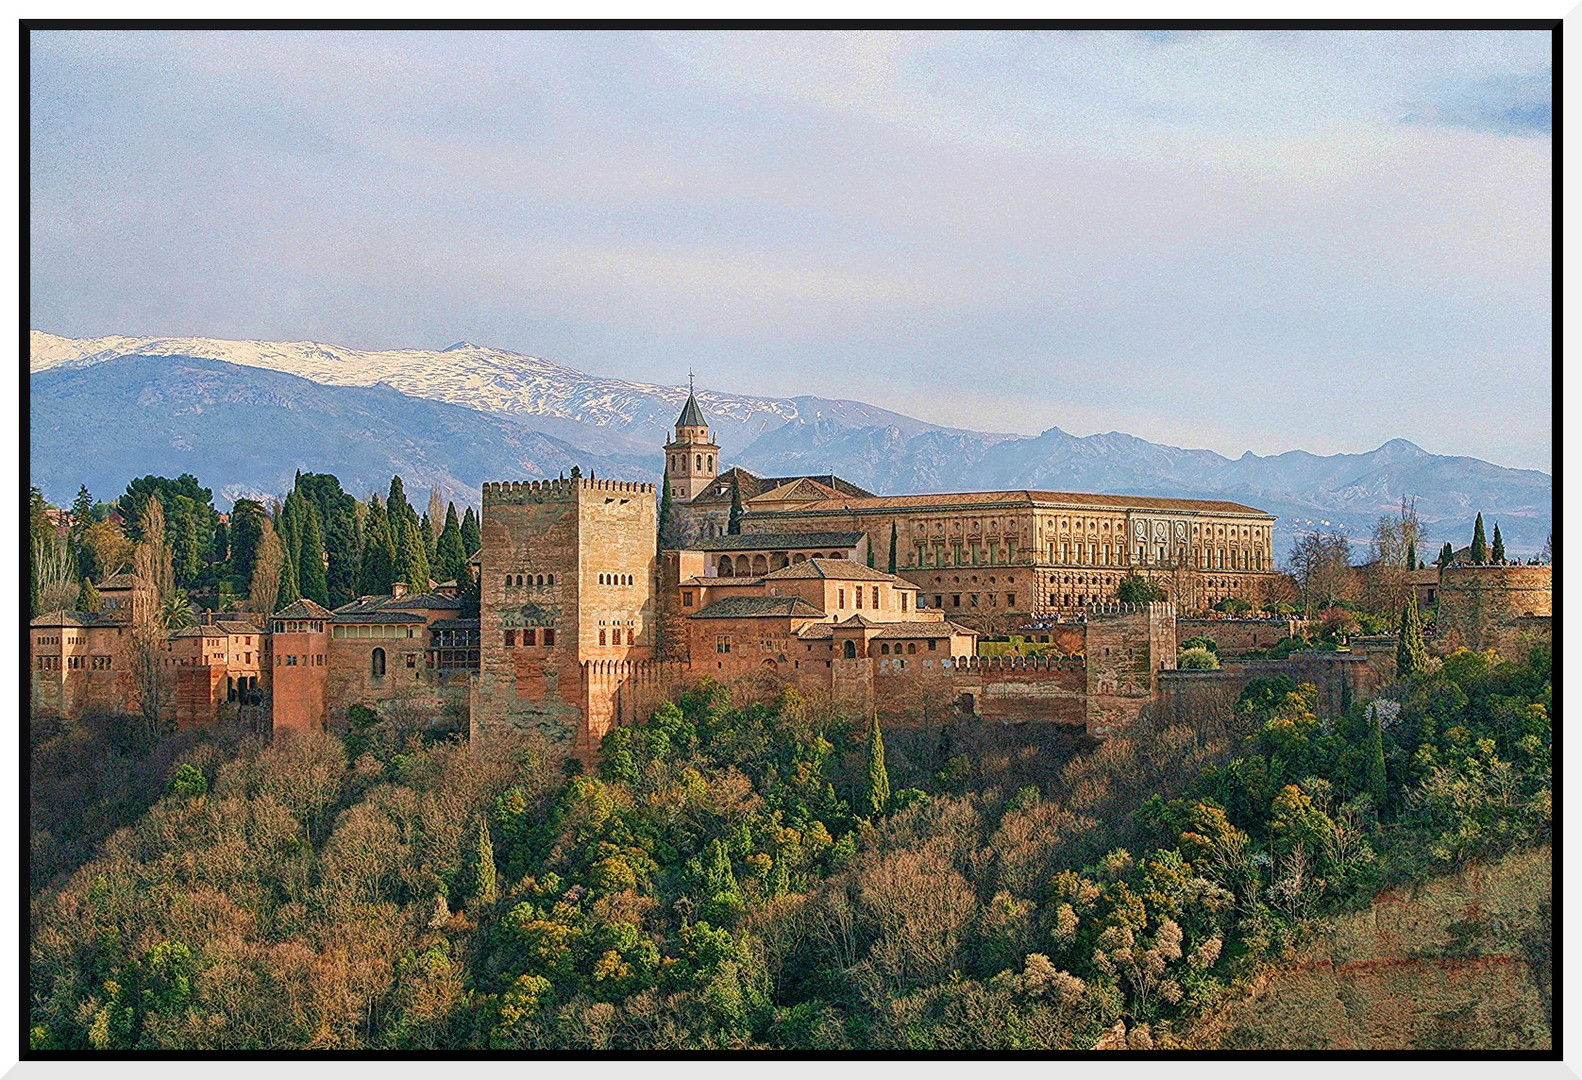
column 524, row 416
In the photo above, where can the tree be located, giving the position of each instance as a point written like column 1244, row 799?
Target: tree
column 1547, row 554
column 54, row 577
column 411, row 564
column 87, row 597
column 1197, row 660
column 1374, row 781
column 471, row 538
column 878, row 794
column 735, row 525
column 378, row 567
column 222, row 542
column 1136, row 589
column 81, row 518
column 893, row 541
column 154, row 584
column 452, row 557
column 433, row 522
column 1321, row 564
column 264, row 586
column 338, row 514
column 310, row 560
column 1480, row 548
column 105, row 550
column 1497, row 554
column 247, row 532
column 1411, row 657
column 290, row 580
column 666, row 513
column 486, row 891
column 1447, row 555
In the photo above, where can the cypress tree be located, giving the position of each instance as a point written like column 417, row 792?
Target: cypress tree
column 1411, row 555
column 452, row 559
column 893, row 539
column 290, row 589
column 411, row 564
column 878, row 778
column 1498, row 553
column 1410, row 655
column 87, row 597
column 1447, row 555
column 666, row 511
column 471, row 538
column 870, row 556
column 247, row 532
column 735, row 526
column 427, row 527
column 1374, row 781
column 309, row 558
column 1480, row 547
column 378, row 569
column 222, row 542
column 487, row 891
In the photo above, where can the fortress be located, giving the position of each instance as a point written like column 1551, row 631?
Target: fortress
column 593, row 609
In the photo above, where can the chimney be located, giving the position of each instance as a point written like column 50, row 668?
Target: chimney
column 398, row 588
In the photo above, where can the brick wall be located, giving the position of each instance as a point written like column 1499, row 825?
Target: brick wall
column 1235, row 636
column 1478, row 605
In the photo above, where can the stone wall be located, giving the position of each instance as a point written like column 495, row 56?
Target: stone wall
column 1188, row 697
column 1235, row 636
column 300, row 691
column 1479, row 605
column 1127, row 647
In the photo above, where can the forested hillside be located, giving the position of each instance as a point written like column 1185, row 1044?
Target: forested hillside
column 739, row 874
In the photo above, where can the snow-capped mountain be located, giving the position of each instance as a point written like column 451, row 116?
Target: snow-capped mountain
column 469, row 413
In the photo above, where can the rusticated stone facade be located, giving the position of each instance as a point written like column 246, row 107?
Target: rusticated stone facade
column 1493, row 607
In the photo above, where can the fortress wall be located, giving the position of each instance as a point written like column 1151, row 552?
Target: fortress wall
column 1234, row 636
column 1479, row 605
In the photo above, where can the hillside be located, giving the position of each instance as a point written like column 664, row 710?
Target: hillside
column 622, row 422
column 1458, row 962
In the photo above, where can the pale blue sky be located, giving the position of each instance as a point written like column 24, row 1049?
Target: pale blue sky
column 1235, row 241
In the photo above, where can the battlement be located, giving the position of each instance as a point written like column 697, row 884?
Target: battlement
column 1163, row 609
column 1016, row 663
column 524, row 491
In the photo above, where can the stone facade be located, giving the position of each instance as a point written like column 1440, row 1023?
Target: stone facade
column 1492, row 606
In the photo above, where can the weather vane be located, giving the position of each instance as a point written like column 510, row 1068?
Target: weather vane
column 689, row 380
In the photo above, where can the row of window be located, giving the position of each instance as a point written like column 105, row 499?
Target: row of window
column 705, row 462
column 857, row 595
column 615, row 579
column 530, row 637
column 972, row 599
column 75, row 663
column 305, row 660
column 372, row 630
column 522, row 581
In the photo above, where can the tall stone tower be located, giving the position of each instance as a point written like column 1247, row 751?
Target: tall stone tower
column 692, row 461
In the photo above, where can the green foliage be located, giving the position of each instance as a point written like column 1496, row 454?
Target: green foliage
column 1197, row 660
column 893, row 542
column 878, row 791
column 1199, row 642
column 1447, row 555
column 1497, row 552
column 1135, row 589
column 452, row 555
column 378, row 561
column 486, row 891
column 1374, row 781
column 734, row 525
column 87, row 597
column 471, row 537
column 1233, row 605
column 1411, row 655
column 188, row 782
column 1480, row 547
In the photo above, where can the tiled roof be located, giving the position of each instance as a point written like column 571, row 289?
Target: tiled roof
column 199, row 631
column 412, row 602
column 834, row 570
column 921, row 630
column 816, row 631
column 238, row 627
column 454, row 624
column 753, row 607
column 753, row 486
column 383, row 618
column 73, row 618
column 778, row 541
column 303, row 609
column 118, row 581
column 858, row 622
column 991, row 499
column 691, row 415
column 811, row 491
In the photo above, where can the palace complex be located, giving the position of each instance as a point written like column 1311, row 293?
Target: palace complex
column 592, row 609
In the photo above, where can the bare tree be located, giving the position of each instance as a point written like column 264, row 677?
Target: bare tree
column 56, row 576
column 1321, row 564
column 264, row 589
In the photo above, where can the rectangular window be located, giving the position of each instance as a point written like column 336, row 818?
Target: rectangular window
column 955, row 599
column 529, row 637
column 510, row 639
column 686, row 598
column 876, row 598
column 841, row 603
column 1010, row 599
column 411, row 660
column 903, row 602
column 549, row 638
column 933, row 646
column 722, row 643
column 858, row 591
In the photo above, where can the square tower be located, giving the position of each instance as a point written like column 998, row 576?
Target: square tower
column 567, row 578
column 692, row 461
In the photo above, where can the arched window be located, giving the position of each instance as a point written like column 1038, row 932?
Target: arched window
column 851, row 650
column 601, row 637
column 378, row 663
column 711, row 463
column 628, row 635
column 508, row 581
column 700, row 461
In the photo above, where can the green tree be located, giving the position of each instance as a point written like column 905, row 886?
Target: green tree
column 290, row 582
column 893, row 541
column 735, row 525
column 378, row 564
column 486, row 887
column 1411, row 656
column 471, row 538
column 433, row 523
column 1447, row 555
column 452, row 559
column 1135, row 589
column 309, row 558
column 1480, row 548
column 411, row 565
column 666, row 513
column 1373, row 777
column 1497, row 553
column 87, row 597
column 1197, row 660
column 222, row 542
column 188, row 782
column 878, row 794
column 338, row 521
column 247, row 532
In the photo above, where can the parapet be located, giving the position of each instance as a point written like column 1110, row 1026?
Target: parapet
column 526, row 491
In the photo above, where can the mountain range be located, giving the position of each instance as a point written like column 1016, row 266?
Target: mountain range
column 243, row 416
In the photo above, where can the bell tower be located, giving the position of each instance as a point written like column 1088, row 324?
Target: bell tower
column 692, row 460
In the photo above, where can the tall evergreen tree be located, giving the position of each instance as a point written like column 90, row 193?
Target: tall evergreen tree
column 378, row 565
column 893, row 541
column 87, row 597
column 433, row 522
column 1411, row 657
column 1374, row 781
column 452, row 559
column 666, row 513
column 81, row 512
column 290, row 585
column 878, row 794
column 1497, row 553
column 247, row 532
column 309, row 558
column 734, row 526
column 1447, row 555
column 486, row 885
column 1480, row 547
column 411, row 562
column 222, row 542
column 338, row 522
column 1411, row 555
column 471, row 538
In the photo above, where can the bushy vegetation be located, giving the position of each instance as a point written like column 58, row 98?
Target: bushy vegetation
column 757, row 875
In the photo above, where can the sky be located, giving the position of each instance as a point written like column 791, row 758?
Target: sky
column 1236, row 241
